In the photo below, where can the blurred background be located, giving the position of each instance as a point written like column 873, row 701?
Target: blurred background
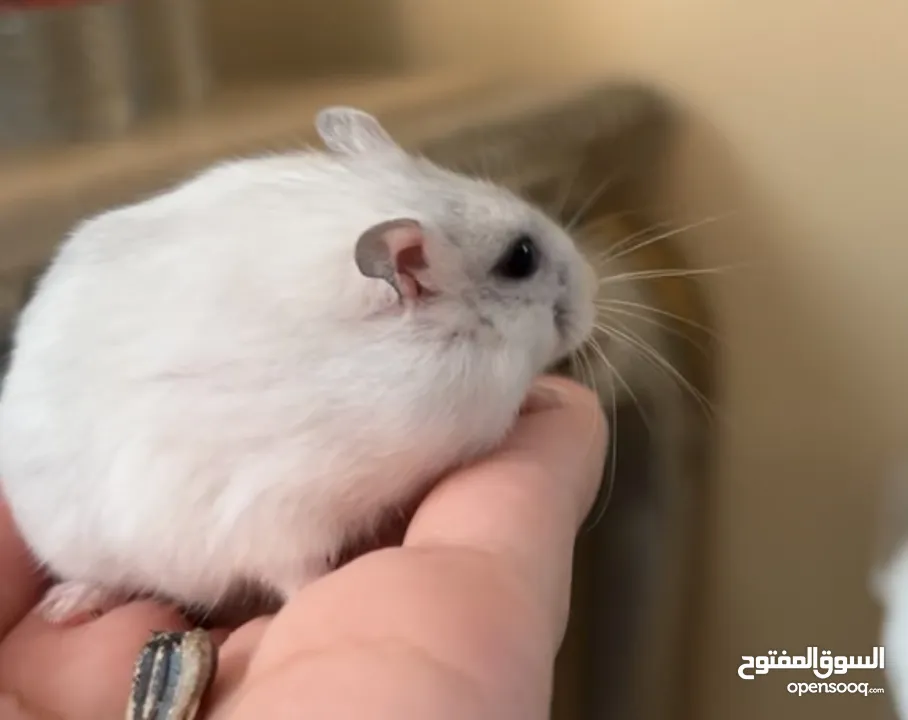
column 795, row 111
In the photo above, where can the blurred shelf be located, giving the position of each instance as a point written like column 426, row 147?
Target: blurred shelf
column 43, row 194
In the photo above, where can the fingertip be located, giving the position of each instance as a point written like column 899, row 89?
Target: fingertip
column 578, row 404
column 566, row 390
column 565, row 431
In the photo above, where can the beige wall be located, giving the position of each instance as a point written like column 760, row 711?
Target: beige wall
column 799, row 119
column 268, row 38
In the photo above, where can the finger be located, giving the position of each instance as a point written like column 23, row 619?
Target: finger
column 22, row 582
column 234, row 655
column 13, row 707
column 525, row 504
column 522, row 507
column 82, row 671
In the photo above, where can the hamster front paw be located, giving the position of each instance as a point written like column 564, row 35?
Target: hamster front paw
column 74, row 602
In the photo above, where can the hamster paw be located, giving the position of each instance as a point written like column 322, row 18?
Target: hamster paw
column 74, row 602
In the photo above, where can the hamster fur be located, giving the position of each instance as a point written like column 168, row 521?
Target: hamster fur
column 207, row 388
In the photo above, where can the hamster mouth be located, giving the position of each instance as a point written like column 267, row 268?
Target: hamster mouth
column 561, row 318
column 570, row 325
column 570, row 335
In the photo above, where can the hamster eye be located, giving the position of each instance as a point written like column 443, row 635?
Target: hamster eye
column 520, row 261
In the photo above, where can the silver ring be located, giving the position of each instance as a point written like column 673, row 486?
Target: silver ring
column 172, row 675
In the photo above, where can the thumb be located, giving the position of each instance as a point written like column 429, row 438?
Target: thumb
column 524, row 505
column 562, row 429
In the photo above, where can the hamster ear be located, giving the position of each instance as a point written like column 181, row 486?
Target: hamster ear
column 394, row 252
column 351, row 132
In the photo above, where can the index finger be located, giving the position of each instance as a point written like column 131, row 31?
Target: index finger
column 21, row 581
column 525, row 504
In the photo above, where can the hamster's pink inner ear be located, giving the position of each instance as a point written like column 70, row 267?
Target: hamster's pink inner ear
column 394, row 252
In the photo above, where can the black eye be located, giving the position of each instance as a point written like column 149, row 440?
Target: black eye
column 520, row 261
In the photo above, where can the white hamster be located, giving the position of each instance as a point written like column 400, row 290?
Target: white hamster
column 230, row 381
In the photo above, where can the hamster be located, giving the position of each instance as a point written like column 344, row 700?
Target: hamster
column 229, row 381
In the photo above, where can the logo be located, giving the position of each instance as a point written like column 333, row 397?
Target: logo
column 823, row 663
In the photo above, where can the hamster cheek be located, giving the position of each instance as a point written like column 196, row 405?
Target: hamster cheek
column 536, row 336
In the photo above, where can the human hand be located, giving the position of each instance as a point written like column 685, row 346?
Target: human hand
column 462, row 621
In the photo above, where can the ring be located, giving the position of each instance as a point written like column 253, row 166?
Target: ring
column 171, row 676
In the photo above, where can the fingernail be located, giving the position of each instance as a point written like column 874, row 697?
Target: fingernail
column 541, row 396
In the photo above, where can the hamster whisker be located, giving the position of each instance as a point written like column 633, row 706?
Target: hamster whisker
column 565, row 194
column 647, row 349
column 603, row 499
column 613, row 372
column 589, row 202
column 582, row 371
column 657, row 323
column 593, row 381
column 665, row 273
column 588, row 376
column 622, row 249
column 654, row 357
column 608, row 304
column 609, row 252
column 635, row 212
